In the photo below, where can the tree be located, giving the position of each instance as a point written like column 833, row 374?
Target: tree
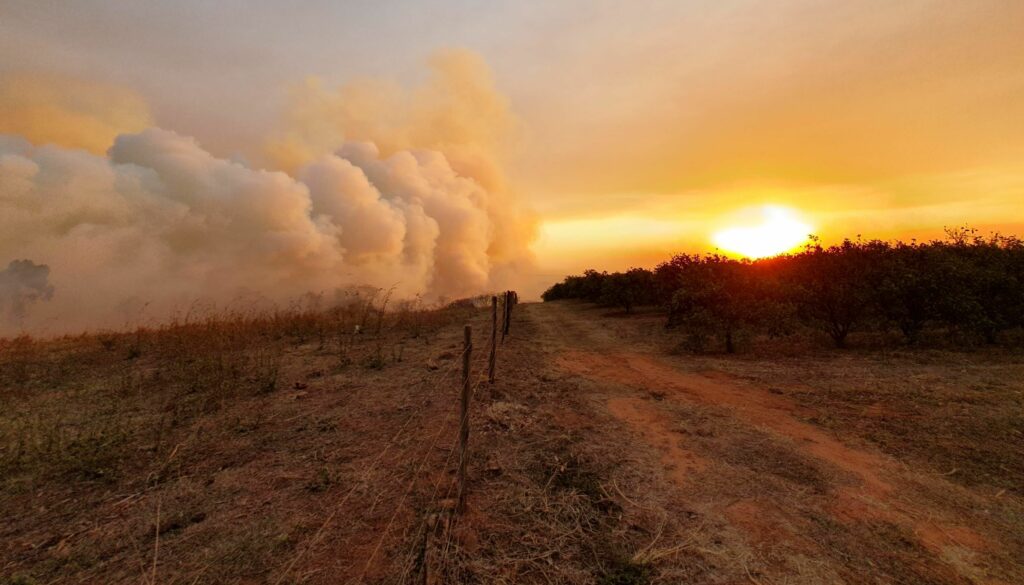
column 717, row 296
column 628, row 289
column 833, row 287
column 909, row 288
column 970, row 285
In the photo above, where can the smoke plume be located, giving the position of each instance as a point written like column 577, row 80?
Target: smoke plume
column 456, row 111
column 158, row 222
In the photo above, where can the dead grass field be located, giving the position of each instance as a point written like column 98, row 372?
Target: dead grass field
column 295, row 451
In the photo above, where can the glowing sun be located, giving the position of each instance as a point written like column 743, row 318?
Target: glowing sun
column 778, row 231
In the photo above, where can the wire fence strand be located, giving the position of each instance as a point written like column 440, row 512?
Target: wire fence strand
column 364, row 476
column 478, row 363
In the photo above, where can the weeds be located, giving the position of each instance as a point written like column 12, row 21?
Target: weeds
column 166, row 377
column 114, row 418
column 572, row 474
column 90, row 447
column 375, row 361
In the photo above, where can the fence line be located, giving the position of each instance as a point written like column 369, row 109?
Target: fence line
column 468, row 392
column 364, row 477
column 487, row 368
column 447, row 514
column 494, row 340
column 398, row 507
column 434, row 500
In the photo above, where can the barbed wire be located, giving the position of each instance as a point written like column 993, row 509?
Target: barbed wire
column 433, row 498
column 398, row 507
column 454, row 521
column 365, row 474
column 482, row 362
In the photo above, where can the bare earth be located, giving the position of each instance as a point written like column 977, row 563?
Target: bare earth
column 597, row 457
column 790, row 500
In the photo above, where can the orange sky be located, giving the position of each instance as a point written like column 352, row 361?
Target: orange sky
column 881, row 120
column 633, row 129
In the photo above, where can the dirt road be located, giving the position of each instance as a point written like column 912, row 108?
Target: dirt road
column 744, row 485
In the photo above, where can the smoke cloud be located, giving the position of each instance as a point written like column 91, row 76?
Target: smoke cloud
column 158, row 222
column 456, row 111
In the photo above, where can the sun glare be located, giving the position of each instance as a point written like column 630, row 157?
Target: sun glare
column 778, row 231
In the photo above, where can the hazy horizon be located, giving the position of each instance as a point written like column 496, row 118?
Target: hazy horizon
column 451, row 149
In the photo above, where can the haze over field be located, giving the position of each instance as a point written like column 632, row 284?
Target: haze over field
column 271, row 278
column 154, row 154
column 362, row 185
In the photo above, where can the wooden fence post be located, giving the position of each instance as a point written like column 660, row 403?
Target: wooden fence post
column 507, row 314
column 467, row 349
column 504, row 314
column 494, row 340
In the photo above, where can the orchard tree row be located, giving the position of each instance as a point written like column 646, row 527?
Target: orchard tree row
column 967, row 287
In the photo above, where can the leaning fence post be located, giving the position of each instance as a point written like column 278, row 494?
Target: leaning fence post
column 467, row 348
column 494, row 340
column 506, row 314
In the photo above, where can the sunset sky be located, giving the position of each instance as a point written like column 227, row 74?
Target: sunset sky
column 631, row 129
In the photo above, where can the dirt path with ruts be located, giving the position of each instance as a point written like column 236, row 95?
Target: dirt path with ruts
column 699, row 426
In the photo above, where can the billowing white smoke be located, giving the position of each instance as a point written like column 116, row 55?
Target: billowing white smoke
column 371, row 183
column 160, row 222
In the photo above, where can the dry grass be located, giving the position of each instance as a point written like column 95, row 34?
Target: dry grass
column 287, row 448
column 211, row 419
column 762, row 508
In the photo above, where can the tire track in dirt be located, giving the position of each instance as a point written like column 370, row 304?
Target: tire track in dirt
column 755, row 406
column 656, row 430
column 876, row 498
column 954, row 544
